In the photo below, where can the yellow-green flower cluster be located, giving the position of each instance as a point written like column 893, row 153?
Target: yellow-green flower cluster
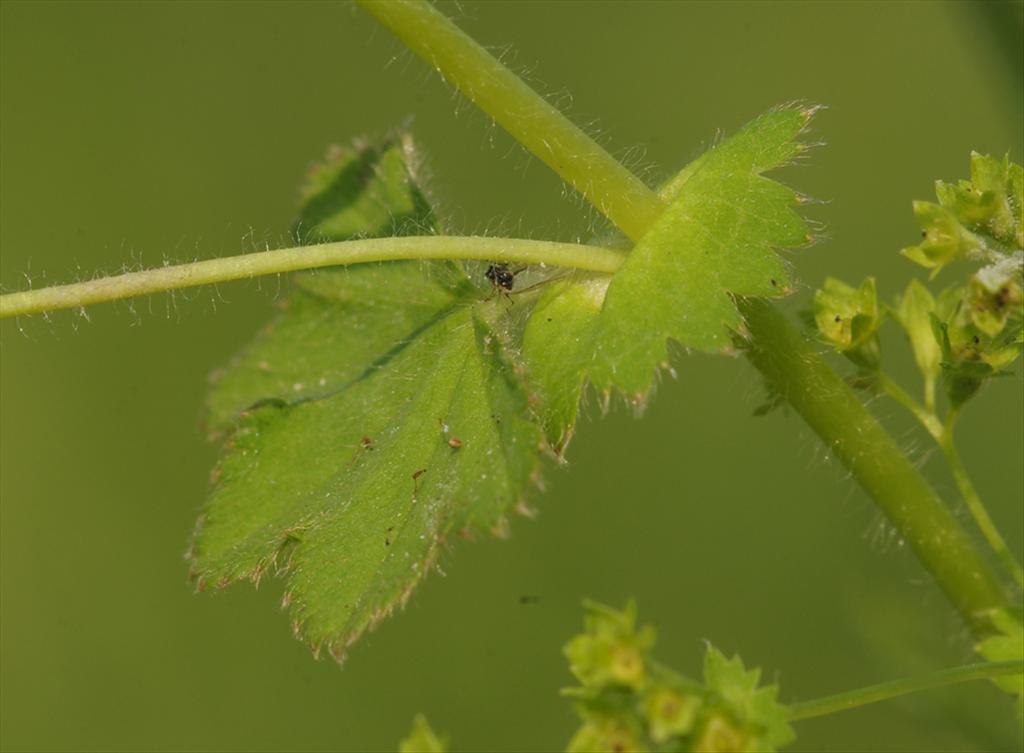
column 628, row 702
column 848, row 319
column 975, row 219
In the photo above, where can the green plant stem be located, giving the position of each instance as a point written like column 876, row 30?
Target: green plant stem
column 929, row 393
column 851, row 699
column 942, row 432
column 835, row 413
column 973, row 500
column 832, row 409
column 535, row 123
column 75, row 295
column 925, row 417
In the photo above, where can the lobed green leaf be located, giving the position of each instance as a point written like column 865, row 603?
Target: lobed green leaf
column 383, row 410
column 377, row 416
column 716, row 239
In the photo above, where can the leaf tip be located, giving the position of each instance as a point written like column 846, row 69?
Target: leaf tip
column 525, row 510
column 501, row 529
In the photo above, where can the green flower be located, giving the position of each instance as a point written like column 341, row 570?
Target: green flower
column 976, row 219
column 848, row 319
column 970, row 355
column 607, row 735
column 721, row 735
column 669, row 713
column 994, row 295
column 611, row 651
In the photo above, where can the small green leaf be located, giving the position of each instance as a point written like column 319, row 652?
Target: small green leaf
column 368, row 191
column 848, row 319
column 717, row 238
column 1008, row 645
column 422, row 739
column 913, row 311
column 379, row 415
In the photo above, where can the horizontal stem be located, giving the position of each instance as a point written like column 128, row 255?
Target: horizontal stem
column 245, row 266
column 528, row 117
column 853, row 698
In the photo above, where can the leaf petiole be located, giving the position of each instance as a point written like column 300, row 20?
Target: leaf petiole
column 851, row 699
column 246, row 266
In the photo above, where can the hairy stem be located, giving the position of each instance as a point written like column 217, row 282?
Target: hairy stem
column 851, row 699
column 843, row 424
column 943, row 435
column 535, row 123
column 925, row 417
column 973, row 500
column 835, row 413
column 245, row 266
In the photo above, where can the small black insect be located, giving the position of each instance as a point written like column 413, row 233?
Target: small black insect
column 501, row 276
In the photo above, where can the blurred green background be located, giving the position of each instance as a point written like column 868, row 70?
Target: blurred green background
column 139, row 133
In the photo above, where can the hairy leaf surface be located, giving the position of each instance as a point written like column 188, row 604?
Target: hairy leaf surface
column 375, row 417
column 382, row 410
column 558, row 344
column 338, row 322
column 717, row 238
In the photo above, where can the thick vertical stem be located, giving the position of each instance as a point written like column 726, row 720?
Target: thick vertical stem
column 832, row 409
